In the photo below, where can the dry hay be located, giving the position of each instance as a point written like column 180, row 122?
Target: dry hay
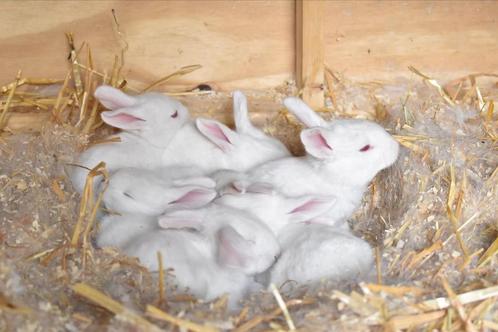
column 431, row 217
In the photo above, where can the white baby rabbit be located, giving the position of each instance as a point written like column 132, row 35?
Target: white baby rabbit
column 192, row 257
column 343, row 157
column 345, row 145
column 311, row 252
column 148, row 121
column 152, row 192
column 220, row 253
column 211, row 145
column 258, row 242
column 277, row 211
column 118, row 230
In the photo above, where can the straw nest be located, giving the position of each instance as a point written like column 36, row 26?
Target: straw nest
column 431, row 217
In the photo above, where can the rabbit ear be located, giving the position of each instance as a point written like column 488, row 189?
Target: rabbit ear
column 190, row 197
column 240, row 113
column 241, row 116
column 123, row 119
column 304, row 113
column 181, row 219
column 315, row 142
column 217, row 133
column 113, row 98
column 232, row 248
column 202, row 181
column 309, row 207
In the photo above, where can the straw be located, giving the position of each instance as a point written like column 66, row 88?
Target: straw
column 181, row 323
column 283, row 307
column 113, row 306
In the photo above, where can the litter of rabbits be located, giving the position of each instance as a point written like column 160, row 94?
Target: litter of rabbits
column 431, row 216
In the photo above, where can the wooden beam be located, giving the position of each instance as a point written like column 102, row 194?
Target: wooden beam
column 310, row 50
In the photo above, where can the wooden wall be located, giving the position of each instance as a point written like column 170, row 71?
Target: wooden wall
column 379, row 39
column 251, row 41
column 250, row 44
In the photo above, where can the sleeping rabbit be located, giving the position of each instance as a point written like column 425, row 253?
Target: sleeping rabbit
column 213, row 250
column 311, row 252
column 152, row 192
column 117, row 230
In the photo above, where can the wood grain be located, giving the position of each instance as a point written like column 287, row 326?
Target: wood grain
column 310, row 51
column 238, row 43
column 368, row 40
column 250, row 44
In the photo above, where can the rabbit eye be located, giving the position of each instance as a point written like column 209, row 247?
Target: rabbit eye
column 366, row 148
column 128, row 195
column 174, row 115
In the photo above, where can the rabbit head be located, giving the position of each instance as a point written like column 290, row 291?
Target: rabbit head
column 133, row 190
column 243, row 150
column 243, row 242
column 355, row 149
column 153, row 116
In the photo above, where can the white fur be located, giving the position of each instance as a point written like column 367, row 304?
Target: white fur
column 242, row 152
column 157, row 118
column 152, row 192
column 335, row 164
column 211, row 145
column 256, row 239
column 167, row 141
column 213, row 250
column 118, row 230
column 346, row 137
column 192, row 257
column 311, row 252
column 277, row 211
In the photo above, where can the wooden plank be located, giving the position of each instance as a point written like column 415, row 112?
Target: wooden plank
column 250, row 44
column 310, row 51
column 240, row 44
column 372, row 40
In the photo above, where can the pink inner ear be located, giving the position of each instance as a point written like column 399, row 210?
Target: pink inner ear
column 227, row 252
column 124, row 118
column 319, row 141
column 216, row 131
column 193, row 196
column 308, row 206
